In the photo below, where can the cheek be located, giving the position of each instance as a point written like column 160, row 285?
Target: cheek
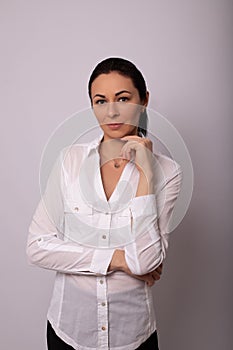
column 99, row 114
column 127, row 112
column 131, row 113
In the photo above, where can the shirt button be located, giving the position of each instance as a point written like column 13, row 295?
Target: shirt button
column 101, row 281
column 104, row 236
column 103, row 303
column 103, row 328
column 76, row 208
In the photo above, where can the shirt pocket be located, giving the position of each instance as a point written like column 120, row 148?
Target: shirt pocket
column 79, row 224
column 77, row 207
column 124, row 217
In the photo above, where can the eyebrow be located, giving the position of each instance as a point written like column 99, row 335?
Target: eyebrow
column 116, row 94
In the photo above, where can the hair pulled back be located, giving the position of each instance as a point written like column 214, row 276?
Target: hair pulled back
column 127, row 69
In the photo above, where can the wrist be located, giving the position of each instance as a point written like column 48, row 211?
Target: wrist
column 146, row 184
column 146, row 173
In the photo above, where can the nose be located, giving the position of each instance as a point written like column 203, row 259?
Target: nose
column 112, row 110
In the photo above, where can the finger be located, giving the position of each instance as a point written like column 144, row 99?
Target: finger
column 148, row 278
column 156, row 275
column 159, row 270
column 138, row 140
column 132, row 143
column 131, row 137
column 127, row 150
column 150, row 282
column 161, row 267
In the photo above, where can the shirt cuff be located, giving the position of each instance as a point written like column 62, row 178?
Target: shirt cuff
column 144, row 205
column 101, row 260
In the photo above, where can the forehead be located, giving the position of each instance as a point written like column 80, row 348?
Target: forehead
column 112, row 82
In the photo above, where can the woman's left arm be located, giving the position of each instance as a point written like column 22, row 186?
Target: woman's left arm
column 151, row 213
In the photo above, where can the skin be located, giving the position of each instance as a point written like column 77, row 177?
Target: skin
column 116, row 100
column 112, row 105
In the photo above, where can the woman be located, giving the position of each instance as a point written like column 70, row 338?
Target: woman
column 102, row 223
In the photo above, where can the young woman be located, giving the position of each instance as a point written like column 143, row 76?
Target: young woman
column 102, row 222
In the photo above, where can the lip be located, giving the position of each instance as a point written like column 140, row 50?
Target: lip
column 115, row 126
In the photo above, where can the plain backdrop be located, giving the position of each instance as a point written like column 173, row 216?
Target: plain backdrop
column 184, row 49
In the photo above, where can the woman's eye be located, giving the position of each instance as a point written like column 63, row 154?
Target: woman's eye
column 99, row 102
column 123, row 99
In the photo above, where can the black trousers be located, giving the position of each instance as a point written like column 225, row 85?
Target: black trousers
column 56, row 343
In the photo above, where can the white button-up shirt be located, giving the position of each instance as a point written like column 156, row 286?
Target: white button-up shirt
column 75, row 231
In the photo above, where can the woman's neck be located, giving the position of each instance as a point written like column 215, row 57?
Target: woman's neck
column 110, row 149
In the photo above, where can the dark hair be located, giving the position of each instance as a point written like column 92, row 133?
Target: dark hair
column 128, row 69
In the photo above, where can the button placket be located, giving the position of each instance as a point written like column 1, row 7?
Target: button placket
column 105, row 219
column 102, row 312
column 105, row 225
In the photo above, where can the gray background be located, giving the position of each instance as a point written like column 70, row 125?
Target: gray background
column 184, row 48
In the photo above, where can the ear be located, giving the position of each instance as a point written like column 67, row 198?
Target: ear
column 146, row 99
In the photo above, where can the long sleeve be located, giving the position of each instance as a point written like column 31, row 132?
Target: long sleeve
column 47, row 245
column 151, row 215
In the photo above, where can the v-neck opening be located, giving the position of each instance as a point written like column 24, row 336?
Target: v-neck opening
column 122, row 177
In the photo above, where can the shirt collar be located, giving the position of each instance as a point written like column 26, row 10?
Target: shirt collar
column 93, row 145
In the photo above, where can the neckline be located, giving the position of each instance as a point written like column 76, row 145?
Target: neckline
column 124, row 176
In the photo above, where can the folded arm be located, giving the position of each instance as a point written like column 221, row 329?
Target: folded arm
column 151, row 215
column 46, row 244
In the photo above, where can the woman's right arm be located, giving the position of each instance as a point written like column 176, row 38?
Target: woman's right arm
column 46, row 246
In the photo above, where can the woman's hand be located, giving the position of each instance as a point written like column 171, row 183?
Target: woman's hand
column 151, row 277
column 141, row 150
column 118, row 263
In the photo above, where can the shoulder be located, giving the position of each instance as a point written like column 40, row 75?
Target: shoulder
column 72, row 155
column 75, row 149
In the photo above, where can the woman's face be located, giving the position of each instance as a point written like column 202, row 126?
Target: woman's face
column 116, row 104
